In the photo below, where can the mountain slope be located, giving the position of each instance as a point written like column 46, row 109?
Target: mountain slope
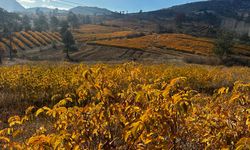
column 209, row 15
column 44, row 10
column 225, row 8
column 84, row 10
column 11, row 5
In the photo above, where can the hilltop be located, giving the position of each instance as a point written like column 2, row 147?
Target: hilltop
column 11, row 5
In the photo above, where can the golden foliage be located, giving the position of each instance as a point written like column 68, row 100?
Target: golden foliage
column 131, row 106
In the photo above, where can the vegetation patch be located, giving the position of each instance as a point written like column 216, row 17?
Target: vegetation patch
column 126, row 106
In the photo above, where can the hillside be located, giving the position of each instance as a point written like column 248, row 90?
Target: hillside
column 107, row 43
column 11, row 5
column 44, row 10
column 221, row 8
column 202, row 18
column 84, row 10
column 80, row 10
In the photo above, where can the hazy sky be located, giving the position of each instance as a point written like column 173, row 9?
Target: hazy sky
column 114, row 5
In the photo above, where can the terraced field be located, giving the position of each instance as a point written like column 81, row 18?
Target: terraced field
column 178, row 42
column 108, row 43
column 28, row 40
column 103, row 36
column 99, row 42
column 92, row 29
column 98, row 32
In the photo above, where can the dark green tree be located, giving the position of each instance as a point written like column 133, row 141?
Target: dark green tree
column 224, row 44
column 1, row 56
column 26, row 23
column 244, row 38
column 1, row 51
column 63, row 27
column 9, row 23
column 54, row 23
column 73, row 20
column 68, row 41
column 41, row 24
column 87, row 20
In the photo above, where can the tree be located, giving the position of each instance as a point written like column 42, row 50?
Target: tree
column 87, row 20
column 41, row 24
column 10, row 22
column 1, row 51
column 26, row 23
column 54, row 22
column 224, row 44
column 11, row 26
column 73, row 20
column 64, row 27
column 68, row 41
column 1, row 56
column 244, row 38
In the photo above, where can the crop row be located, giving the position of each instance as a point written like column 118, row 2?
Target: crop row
column 24, row 40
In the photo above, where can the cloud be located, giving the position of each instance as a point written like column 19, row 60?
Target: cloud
column 27, row 1
column 54, row 7
column 48, row 1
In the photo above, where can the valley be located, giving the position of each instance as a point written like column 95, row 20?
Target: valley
column 106, row 43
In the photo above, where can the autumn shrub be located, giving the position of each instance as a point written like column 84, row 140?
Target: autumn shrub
column 131, row 106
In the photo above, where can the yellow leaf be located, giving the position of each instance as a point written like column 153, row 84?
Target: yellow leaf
column 243, row 143
column 39, row 111
column 29, row 110
column 5, row 139
column 14, row 123
column 76, row 147
column 147, row 141
column 136, row 127
column 9, row 131
column 126, row 136
column 107, row 92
